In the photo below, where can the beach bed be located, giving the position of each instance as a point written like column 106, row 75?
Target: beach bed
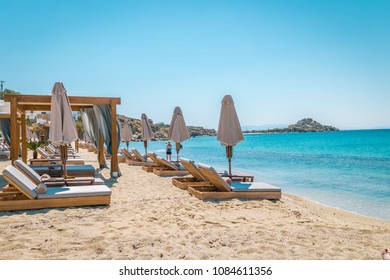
column 136, row 159
column 165, row 168
column 54, row 181
column 153, row 158
column 221, row 189
column 22, row 194
column 195, row 179
column 46, row 158
column 57, row 170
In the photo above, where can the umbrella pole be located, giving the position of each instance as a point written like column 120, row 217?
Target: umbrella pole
column 229, row 155
column 127, row 145
column 177, row 151
column 146, row 149
column 64, row 155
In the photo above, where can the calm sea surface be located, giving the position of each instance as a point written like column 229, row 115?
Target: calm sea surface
column 349, row 170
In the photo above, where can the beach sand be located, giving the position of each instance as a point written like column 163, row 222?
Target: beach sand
column 149, row 218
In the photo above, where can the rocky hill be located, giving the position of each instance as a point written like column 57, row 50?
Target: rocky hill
column 304, row 125
column 161, row 129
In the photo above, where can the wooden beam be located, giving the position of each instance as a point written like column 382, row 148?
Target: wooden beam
column 14, row 131
column 24, row 139
column 101, row 151
column 77, row 100
column 114, row 141
column 47, row 107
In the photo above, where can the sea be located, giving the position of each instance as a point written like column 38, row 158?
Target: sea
column 348, row 169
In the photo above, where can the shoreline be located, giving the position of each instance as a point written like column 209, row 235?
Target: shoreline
column 150, row 219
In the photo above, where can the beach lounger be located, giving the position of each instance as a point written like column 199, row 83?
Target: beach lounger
column 221, row 189
column 52, row 151
column 196, row 178
column 21, row 194
column 46, row 158
column 153, row 158
column 135, row 158
column 166, row 168
column 57, row 170
column 5, row 155
column 120, row 156
column 54, row 181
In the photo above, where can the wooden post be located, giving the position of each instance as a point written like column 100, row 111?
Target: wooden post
column 114, row 141
column 14, row 131
column 76, row 145
column 101, row 151
column 24, row 139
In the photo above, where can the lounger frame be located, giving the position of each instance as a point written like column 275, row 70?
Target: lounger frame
column 9, row 200
column 196, row 179
column 131, row 160
column 220, row 190
column 212, row 193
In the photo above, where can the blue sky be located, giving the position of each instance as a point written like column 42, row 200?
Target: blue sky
column 280, row 60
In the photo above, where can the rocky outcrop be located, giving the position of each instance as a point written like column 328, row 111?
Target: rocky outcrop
column 304, row 125
column 310, row 125
column 161, row 129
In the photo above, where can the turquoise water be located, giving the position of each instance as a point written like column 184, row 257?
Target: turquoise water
column 349, row 170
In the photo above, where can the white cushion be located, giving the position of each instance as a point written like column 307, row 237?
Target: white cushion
column 75, row 191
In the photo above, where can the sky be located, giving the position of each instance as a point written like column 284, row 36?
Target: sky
column 280, row 60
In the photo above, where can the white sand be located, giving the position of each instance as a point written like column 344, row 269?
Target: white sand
column 149, row 218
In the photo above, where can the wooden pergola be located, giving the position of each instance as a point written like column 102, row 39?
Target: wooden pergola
column 21, row 103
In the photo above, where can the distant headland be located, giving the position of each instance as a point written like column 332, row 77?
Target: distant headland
column 304, row 125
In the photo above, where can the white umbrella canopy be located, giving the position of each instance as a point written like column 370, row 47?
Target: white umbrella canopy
column 62, row 125
column 29, row 134
column 126, row 133
column 178, row 131
column 229, row 128
column 147, row 132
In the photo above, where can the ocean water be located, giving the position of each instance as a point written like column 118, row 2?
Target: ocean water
column 349, row 170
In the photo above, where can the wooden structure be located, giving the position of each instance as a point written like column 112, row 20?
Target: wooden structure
column 136, row 159
column 196, row 178
column 20, row 194
column 220, row 189
column 21, row 103
column 166, row 168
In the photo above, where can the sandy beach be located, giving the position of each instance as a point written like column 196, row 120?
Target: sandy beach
column 149, row 218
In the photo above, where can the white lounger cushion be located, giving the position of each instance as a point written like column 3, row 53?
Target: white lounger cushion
column 37, row 178
column 75, row 191
column 21, row 180
column 27, row 169
column 253, row 187
column 28, row 187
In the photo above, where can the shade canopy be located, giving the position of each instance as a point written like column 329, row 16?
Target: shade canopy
column 178, row 131
column 29, row 134
column 126, row 133
column 146, row 128
column 229, row 128
column 63, row 128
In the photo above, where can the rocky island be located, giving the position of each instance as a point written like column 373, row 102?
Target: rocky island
column 304, row 125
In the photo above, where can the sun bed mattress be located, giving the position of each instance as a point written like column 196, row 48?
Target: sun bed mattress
column 253, row 187
column 75, row 191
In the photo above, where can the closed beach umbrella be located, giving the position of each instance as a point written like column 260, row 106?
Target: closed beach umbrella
column 126, row 133
column 29, row 134
column 62, row 126
column 147, row 132
column 229, row 128
column 178, row 131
